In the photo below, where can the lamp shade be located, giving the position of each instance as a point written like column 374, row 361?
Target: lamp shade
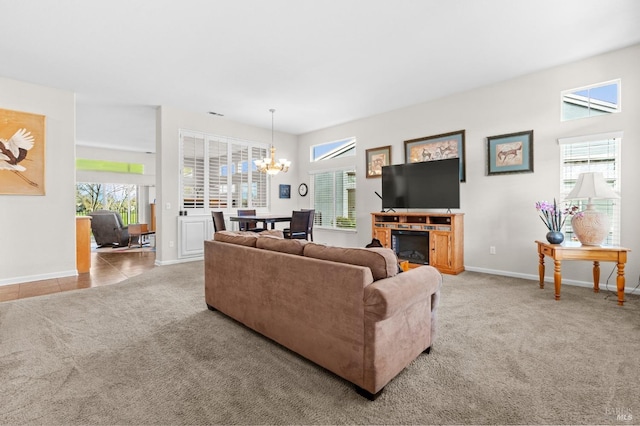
column 591, row 185
column 590, row 226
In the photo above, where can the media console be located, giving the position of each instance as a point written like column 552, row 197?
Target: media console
column 435, row 239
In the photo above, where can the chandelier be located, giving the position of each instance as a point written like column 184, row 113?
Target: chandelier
column 268, row 165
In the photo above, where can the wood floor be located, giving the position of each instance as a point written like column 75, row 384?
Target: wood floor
column 106, row 268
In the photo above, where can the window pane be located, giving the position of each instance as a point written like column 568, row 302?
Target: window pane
column 336, row 149
column 239, row 179
column 590, row 101
column 193, row 173
column 258, row 179
column 122, row 198
column 218, row 160
column 335, row 199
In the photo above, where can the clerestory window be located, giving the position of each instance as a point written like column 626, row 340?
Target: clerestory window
column 590, row 101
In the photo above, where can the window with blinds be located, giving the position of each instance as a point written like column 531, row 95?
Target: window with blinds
column 334, row 199
column 218, row 173
column 596, row 153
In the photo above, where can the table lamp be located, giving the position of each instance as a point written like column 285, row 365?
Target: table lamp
column 590, row 226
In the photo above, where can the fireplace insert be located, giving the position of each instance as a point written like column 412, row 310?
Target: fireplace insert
column 411, row 245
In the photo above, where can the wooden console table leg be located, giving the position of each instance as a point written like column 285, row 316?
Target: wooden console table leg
column 596, row 277
column 620, row 284
column 541, row 270
column 557, row 277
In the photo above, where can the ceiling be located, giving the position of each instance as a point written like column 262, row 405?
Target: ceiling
column 318, row 63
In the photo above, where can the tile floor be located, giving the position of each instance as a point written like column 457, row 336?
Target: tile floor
column 106, row 268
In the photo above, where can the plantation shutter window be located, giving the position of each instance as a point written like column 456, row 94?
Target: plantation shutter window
column 218, row 184
column 193, row 176
column 218, row 173
column 258, row 179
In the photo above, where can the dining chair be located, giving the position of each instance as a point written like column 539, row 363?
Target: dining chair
column 249, row 226
column 312, row 215
column 218, row 221
column 299, row 228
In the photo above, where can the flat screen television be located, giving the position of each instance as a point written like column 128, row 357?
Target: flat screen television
column 427, row 185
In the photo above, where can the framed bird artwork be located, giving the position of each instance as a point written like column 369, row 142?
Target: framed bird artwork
column 22, row 153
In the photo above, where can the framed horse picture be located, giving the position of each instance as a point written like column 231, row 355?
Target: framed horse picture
column 510, row 153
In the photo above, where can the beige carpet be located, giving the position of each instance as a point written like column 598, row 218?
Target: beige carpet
column 147, row 351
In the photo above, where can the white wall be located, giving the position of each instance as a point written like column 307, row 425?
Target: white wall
column 499, row 210
column 148, row 159
column 169, row 122
column 37, row 240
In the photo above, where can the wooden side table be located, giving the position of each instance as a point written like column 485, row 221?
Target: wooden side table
column 576, row 251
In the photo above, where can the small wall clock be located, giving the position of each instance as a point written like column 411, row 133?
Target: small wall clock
column 303, row 189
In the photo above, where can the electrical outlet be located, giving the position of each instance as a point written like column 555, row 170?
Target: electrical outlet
column 170, row 243
column 492, row 250
column 168, row 206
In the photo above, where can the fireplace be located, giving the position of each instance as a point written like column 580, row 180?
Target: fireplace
column 411, row 245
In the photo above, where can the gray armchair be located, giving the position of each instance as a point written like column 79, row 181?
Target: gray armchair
column 108, row 228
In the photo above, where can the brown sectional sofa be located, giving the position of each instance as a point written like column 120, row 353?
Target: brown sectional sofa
column 346, row 309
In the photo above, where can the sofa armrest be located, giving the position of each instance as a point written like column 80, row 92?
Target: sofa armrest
column 384, row 298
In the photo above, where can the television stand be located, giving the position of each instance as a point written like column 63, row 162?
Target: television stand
column 439, row 238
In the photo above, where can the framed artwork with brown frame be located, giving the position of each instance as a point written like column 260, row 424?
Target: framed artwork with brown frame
column 510, row 153
column 437, row 147
column 22, row 153
column 376, row 159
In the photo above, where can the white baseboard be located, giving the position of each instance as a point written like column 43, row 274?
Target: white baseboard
column 534, row 277
column 40, row 277
column 176, row 261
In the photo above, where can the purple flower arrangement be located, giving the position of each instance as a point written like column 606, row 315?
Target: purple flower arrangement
column 553, row 217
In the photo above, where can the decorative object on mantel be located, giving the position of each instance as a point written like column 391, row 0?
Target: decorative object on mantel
column 591, row 226
column 268, row 165
column 554, row 220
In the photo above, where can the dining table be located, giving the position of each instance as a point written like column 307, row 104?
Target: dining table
column 266, row 219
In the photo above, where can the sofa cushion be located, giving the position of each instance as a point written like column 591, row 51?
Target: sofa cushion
column 382, row 261
column 272, row 233
column 282, row 245
column 242, row 238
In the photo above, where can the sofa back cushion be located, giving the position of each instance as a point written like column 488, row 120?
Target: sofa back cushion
column 242, row 238
column 382, row 261
column 277, row 233
column 268, row 242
